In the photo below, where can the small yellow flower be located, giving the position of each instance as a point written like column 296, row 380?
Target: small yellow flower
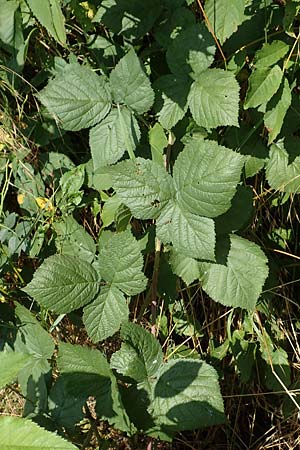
column 20, row 199
column 44, row 203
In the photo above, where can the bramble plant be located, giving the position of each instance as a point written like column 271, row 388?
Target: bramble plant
column 138, row 141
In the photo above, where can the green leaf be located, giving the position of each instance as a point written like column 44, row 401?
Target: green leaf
column 73, row 240
column 131, row 18
column 283, row 166
column 8, row 21
column 130, row 85
column 49, row 14
column 64, row 283
column 174, row 90
column 107, row 140
column 11, row 364
column 121, row 263
column 109, row 210
column 214, row 99
column 263, row 84
column 74, row 359
column 140, row 356
column 32, row 339
column 172, row 23
column 192, row 50
column 270, row 54
column 225, row 16
column 17, row 433
column 187, row 396
column 77, row 96
column 239, row 283
column 85, row 372
column 185, row 267
column 158, row 141
column 103, row 317
column 206, row 176
column 239, row 215
column 190, row 234
column 143, row 186
column 276, row 111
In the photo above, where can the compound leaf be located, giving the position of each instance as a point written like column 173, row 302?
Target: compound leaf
column 64, row 283
column 239, row 283
column 130, row 85
column 17, row 433
column 107, row 140
column 225, row 16
column 77, row 96
column 143, row 186
column 214, row 99
column 103, row 317
column 206, row 176
column 121, row 262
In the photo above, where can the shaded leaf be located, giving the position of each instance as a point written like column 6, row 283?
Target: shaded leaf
column 192, row 50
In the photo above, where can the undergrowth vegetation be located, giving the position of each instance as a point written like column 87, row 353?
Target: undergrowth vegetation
column 149, row 231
